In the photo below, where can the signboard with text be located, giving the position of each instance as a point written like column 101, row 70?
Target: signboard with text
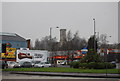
column 10, row 54
column 31, row 55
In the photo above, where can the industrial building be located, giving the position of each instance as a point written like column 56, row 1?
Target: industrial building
column 13, row 40
column 9, row 43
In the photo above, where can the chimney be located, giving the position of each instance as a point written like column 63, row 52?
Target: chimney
column 62, row 36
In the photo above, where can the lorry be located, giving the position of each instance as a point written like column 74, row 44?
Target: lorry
column 32, row 55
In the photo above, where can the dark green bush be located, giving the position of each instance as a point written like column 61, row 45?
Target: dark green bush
column 110, row 66
column 74, row 64
column 96, row 65
column 83, row 65
column 92, row 65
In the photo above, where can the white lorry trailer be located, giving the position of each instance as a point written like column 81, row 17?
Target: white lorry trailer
column 32, row 55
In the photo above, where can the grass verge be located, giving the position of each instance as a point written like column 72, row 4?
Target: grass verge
column 65, row 69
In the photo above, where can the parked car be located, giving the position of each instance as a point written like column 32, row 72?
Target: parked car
column 35, row 62
column 42, row 64
column 3, row 64
column 113, row 62
column 17, row 65
column 64, row 62
column 11, row 64
column 23, row 65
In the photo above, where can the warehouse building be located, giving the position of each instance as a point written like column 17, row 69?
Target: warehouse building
column 13, row 40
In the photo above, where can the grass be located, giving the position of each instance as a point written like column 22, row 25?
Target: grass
column 65, row 69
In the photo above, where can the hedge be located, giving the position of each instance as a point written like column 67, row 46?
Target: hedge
column 92, row 65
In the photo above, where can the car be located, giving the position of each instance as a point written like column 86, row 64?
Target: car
column 64, row 62
column 23, row 65
column 11, row 64
column 42, row 64
column 3, row 64
column 113, row 62
column 17, row 65
column 35, row 62
column 26, row 65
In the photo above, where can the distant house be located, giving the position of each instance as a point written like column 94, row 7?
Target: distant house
column 13, row 39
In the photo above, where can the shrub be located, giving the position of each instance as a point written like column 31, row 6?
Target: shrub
column 96, row 65
column 92, row 65
column 74, row 64
column 110, row 65
column 83, row 65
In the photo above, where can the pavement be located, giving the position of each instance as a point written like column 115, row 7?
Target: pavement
column 93, row 75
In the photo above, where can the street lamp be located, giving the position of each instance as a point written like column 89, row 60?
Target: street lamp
column 105, row 55
column 51, row 43
column 94, row 36
column 51, row 32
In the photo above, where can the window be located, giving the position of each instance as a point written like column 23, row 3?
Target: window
column 18, row 45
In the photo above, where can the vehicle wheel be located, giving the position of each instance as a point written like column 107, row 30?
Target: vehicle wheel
column 3, row 67
column 42, row 66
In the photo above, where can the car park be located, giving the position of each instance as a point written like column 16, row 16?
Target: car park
column 42, row 64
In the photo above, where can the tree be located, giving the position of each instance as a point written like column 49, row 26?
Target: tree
column 92, row 55
column 69, row 36
column 102, row 40
column 37, row 44
column 92, row 44
column 69, row 39
column 45, row 43
column 78, row 43
column 31, row 46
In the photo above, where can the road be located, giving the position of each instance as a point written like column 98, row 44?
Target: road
column 7, row 76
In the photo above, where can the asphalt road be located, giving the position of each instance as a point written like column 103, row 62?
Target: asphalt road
column 6, row 76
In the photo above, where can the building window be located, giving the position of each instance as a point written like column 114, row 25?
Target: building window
column 17, row 44
column 22, row 45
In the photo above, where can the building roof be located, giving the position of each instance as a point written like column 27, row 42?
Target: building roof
column 11, row 37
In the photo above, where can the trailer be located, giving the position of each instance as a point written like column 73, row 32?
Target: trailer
column 32, row 55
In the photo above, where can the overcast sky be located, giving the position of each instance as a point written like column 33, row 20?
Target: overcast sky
column 34, row 19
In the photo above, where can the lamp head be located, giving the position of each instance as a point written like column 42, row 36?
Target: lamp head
column 93, row 18
column 57, row 27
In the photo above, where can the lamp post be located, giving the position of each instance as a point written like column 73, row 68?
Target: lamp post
column 105, row 55
column 51, row 32
column 51, row 43
column 94, row 36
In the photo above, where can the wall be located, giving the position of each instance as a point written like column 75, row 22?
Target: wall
column 16, row 44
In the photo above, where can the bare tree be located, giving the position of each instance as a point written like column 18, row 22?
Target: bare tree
column 77, row 42
column 37, row 44
column 45, row 43
column 31, row 45
column 102, row 40
column 69, row 36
